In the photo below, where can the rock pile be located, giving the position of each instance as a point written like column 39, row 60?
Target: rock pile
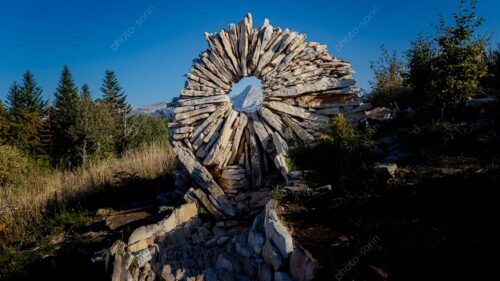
column 227, row 151
column 183, row 247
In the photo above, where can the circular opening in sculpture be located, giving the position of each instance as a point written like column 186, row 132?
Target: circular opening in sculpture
column 246, row 95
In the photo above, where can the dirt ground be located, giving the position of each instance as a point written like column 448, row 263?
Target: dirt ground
column 436, row 229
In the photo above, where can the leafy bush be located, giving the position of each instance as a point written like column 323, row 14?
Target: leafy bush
column 277, row 194
column 93, row 131
column 447, row 69
column 343, row 136
column 420, row 69
column 15, row 167
column 442, row 70
column 145, row 130
column 389, row 88
column 340, row 150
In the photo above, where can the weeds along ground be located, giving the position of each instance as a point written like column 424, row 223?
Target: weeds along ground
column 32, row 196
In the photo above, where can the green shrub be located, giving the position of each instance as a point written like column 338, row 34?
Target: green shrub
column 340, row 150
column 343, row 136
column 445, row 70
column 277, row 194
column 15, row 167
column 420, row 69
column 146, row 130
column 389, row 88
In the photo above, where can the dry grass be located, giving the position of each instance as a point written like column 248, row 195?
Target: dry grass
column 22, row 207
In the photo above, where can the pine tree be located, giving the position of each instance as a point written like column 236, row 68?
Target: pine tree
column 26, row 108
column 25, row 131
column 116, row 98
column 113, row 94
column 85, row 93
column 4, row 124
column 85, row 120
column 32, row 94
column 15, row 100
column 66, row 107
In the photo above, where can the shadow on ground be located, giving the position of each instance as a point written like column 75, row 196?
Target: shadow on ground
column 69, row 256
column 437, row 229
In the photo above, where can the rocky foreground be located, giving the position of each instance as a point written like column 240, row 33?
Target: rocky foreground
column 195, row 249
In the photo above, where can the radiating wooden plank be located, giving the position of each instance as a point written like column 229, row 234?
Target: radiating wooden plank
column 181, row 130
column 204, row 100
column 243, row 121
column 301, row 133
column 261, row 132
column 275, row 122
column 221, row 111
column 254, row 157
column 210, row 131
column 192, row 113
column 225, row 134
column 280, row 145
column 201, row 177
column 295, row 111
column 228, row 48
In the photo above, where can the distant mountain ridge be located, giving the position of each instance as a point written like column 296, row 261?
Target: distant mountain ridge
column 159, row 108
column 249, row 100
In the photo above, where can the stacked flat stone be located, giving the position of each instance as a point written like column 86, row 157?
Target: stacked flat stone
column 184, row 247
column 227, row 151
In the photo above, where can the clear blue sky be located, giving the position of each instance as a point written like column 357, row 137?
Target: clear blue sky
column 164, row 36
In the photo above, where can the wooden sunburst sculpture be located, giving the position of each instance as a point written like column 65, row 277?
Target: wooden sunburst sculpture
column 227, row 151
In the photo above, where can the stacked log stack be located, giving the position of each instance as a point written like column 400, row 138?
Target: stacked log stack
column 227, row 151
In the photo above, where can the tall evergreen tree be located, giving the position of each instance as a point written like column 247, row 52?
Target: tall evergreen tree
column 85, row 120
column 26, row 108
column 32, row 94
column 25, row 131
column 85, row 93
column 66, row 107
column 116, row 98
column 15, row 100
column 113, row 94
column 4, row 124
